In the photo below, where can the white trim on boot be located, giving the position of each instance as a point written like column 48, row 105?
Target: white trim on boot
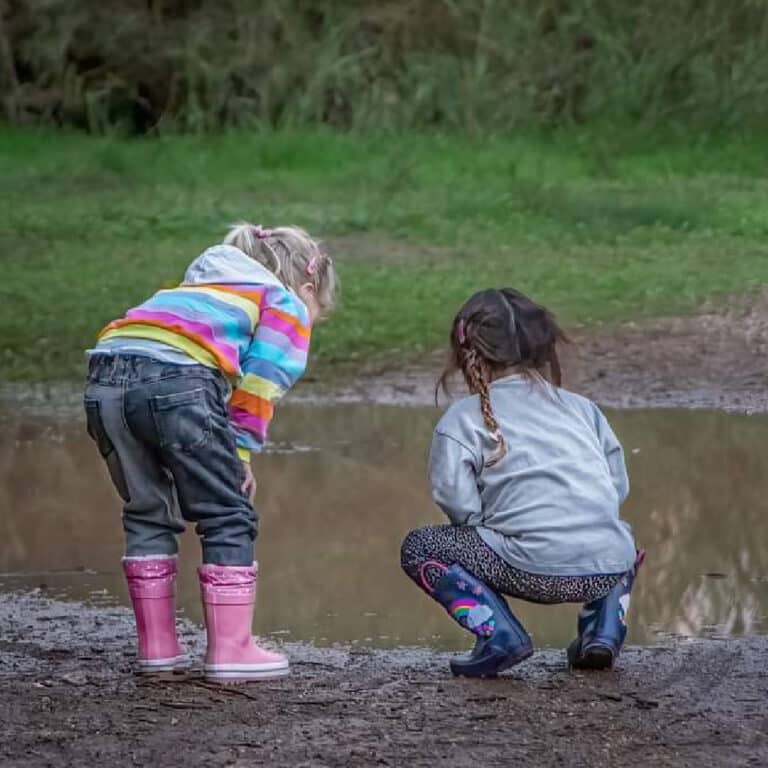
column 151, row 666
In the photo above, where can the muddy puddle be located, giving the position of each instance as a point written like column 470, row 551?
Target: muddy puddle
column 343, row 485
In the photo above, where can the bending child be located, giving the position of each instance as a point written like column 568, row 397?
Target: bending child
column 531, row 477
column 180, row 392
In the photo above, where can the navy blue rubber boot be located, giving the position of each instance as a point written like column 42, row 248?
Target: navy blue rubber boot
column 502, row 640
column 602, row 625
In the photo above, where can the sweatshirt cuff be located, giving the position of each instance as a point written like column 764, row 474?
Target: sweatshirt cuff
column 244, row 454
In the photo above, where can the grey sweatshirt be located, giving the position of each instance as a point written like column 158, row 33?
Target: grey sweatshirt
column 551, row 505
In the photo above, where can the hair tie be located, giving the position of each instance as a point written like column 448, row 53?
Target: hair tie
column 461, row 334
column 262, row 233
column 312, row 265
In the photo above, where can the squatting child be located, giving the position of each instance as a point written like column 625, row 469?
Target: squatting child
column 531, row 477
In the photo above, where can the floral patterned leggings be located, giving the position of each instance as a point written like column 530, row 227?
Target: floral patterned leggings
column 426, row 551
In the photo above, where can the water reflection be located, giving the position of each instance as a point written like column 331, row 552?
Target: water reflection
column 336, row 502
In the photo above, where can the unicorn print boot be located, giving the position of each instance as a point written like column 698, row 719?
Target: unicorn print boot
column 502, row 640
column 602, row 625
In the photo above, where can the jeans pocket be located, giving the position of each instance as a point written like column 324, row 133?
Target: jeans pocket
column 182, row 419
column 95, row 426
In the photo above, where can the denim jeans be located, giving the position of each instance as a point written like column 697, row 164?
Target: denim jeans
column 163, row 432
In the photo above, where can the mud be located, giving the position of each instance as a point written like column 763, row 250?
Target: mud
column 68, row 698
column 712, row 359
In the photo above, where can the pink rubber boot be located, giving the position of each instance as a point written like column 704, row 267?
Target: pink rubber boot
column 151, row 582
column 229, row 595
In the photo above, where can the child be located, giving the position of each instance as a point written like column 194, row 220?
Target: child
column 531, row 477
column 180, row 392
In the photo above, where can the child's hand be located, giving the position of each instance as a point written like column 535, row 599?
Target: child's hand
column 249, row 484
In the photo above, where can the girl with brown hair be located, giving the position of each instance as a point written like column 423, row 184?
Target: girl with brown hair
column 531, row 477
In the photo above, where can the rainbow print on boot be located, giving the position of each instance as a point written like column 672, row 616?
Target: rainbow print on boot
column 474, row 616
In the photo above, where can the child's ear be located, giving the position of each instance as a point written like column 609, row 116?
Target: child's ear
column 309, row 287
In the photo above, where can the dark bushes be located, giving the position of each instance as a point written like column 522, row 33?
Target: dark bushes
column 465, row 65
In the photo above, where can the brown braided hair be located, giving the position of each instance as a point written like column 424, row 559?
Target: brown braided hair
column 477, row 380
column 499, row 331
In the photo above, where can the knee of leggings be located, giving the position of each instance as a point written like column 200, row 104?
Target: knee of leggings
column 411, row 552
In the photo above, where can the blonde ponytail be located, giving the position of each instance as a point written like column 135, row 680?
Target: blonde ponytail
column 291, row 255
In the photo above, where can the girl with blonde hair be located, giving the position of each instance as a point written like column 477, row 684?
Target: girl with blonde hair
column 180, row 392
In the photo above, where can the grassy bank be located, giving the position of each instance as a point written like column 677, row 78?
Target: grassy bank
column 600, row 227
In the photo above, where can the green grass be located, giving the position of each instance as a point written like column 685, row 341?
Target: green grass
column 599, row 226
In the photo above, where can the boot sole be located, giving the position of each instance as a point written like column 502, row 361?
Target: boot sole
column 177, row 665
column 507, row 663
column 598, row 657
column 244, row 673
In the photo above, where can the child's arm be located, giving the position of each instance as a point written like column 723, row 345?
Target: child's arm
column 453, row 474
column 275, row 360
column 614, row 455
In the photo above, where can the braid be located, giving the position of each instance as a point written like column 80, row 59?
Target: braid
column 477, row 380
column 554, row 366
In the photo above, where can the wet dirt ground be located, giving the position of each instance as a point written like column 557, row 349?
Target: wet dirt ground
column 714, row 358
column 68, row 696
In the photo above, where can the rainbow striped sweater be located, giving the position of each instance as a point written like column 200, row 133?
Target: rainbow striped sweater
column 233, row 314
